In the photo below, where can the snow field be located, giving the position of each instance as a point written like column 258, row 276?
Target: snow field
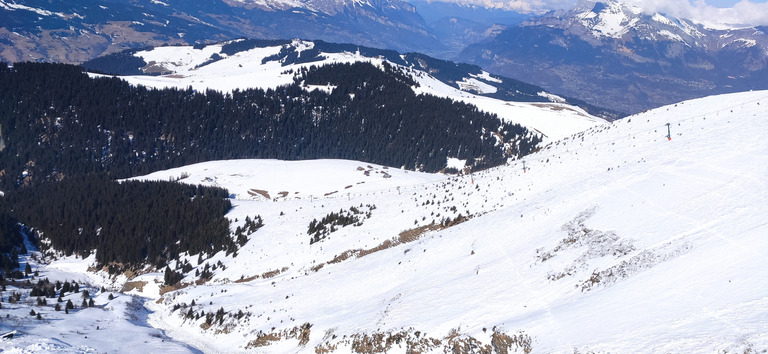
column 615, row 239
column 674, row 229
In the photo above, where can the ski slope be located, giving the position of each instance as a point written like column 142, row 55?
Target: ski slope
column 675, row 230
column 616, row 239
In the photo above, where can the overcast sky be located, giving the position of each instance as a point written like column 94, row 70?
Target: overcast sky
column 731, row 12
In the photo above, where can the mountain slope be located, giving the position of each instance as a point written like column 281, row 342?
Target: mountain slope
column 268, row 64
column 616, row 239
column 75, row 31
column 615, row 52
column 57, row 122
column 71, row 31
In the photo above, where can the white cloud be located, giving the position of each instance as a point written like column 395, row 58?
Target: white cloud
column 743, row 13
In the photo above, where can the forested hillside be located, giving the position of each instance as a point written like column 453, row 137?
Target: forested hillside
column 295, row 52
column 66, row 135
column 57, row 122
column 127, row 223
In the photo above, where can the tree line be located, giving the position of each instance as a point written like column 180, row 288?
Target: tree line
column 128, row 223
column 57, row 122
column 65, row 135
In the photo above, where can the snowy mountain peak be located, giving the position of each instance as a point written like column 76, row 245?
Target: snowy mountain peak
column 606, row 21
column 639, row 57
column 612, row 19
column 615, row 19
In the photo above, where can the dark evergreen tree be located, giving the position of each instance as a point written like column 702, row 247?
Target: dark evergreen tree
column 172, row 277
column 128, row 223
column 70, row 124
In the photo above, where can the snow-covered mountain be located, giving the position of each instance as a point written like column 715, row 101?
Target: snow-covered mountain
column 327, row 7
column 263, row 64
column 72, row 31
column 614, row 51
column 642, row 235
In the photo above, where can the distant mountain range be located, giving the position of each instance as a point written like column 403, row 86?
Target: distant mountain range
column 607, row 54
column 72, row 31
column 615, row 53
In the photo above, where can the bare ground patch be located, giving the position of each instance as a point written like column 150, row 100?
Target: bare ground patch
column 256, row 192
column 131, row 285
column 273, row 273
column 300, row 333
column 246, row 280
column 413, row 341
column 406, row 236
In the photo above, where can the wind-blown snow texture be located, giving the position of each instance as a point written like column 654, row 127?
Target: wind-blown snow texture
column 615, row 239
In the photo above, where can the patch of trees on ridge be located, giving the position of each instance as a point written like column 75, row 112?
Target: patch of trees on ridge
column 129, row 223
column 319, row 230
column 120, row 63
column 57, row 122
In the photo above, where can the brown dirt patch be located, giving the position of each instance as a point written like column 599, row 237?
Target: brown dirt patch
column 261, row 192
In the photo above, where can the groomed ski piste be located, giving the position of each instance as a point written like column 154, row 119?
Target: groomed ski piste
column 615, row 239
